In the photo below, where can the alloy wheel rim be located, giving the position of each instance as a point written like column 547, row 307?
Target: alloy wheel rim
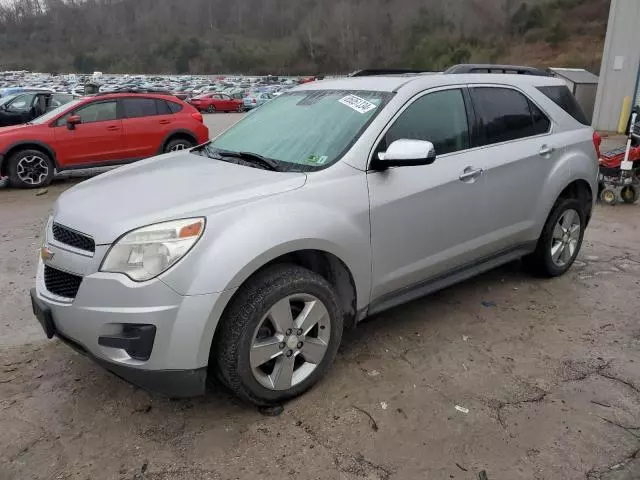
column 178, row 147
column 290, row 342
column 32, row 169
column 565, row 239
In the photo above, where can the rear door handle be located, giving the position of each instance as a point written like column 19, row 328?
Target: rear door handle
column 546, row 150
column 470, row 174
column 113, row 128
column 165, row 122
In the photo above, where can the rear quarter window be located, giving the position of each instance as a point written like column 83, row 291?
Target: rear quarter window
column 562, row 96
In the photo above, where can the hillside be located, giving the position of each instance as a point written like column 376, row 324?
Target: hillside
column 296, row 36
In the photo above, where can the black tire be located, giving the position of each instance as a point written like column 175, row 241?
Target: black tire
column 231, row 348
column 541, row 261
column 175, row 143
column 41, row 163
column 630, row 194
column 211, row 109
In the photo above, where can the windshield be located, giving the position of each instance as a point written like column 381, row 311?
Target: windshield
column 47, row 117
column 8, row 98
column 309, row 130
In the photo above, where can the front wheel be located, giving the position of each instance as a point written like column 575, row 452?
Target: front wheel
column 30, row 169
column 561, row 239
column 211, row 109
column 279, row 336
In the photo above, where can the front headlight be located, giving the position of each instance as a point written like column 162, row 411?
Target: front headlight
column 148, row 251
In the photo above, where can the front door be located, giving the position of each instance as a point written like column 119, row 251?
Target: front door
column 19, row 110
column 97, row 139
column 426, row 220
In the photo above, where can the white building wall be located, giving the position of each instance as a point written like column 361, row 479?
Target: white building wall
column 620, row 63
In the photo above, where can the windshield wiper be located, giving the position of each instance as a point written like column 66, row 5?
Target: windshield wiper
column 255, row 158
column 248, row 157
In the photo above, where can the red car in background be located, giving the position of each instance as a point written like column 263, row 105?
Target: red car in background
column 107, row 129
column 217, row 102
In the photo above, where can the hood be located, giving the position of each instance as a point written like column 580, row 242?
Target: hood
column 171, row 186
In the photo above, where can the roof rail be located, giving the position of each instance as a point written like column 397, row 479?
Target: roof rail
column 372, row 72
column 495, row 68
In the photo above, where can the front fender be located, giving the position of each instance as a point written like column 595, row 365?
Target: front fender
column 240, row 241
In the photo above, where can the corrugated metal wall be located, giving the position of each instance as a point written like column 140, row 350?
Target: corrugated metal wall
column 620, row 63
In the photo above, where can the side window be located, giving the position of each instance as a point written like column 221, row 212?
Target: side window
column 541, row 124
column 22, row 103
column 174, row 107
column 162, row 107
column 139, row 107
column 505, row 114
column 562, row 96
column 94, row 112
column 439, row 117
column 216, row 97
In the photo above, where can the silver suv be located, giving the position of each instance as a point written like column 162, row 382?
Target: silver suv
column 246, row 257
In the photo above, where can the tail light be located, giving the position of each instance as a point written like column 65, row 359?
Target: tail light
column 198, row 116
column 597, row 141
column 253, row 101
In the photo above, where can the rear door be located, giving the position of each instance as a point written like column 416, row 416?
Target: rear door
column 97, row 139
column 144, row 128
column 517, row 152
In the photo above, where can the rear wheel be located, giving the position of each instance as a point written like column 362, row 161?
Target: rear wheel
column 279, row 336
column 30, row 169
column 630, row 194
column 561, row 239
column 178, row 144
column 240, row 109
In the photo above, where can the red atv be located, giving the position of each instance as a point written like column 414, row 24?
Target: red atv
column 619, row 176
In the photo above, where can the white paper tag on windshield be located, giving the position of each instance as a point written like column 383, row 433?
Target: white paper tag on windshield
column 358, row 104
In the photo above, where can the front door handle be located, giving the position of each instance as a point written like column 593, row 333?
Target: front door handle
column 165, row 122
column 470, row 174
column 113, row 128
column 546, row 150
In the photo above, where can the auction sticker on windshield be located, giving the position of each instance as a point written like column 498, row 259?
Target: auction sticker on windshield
column 358, row 104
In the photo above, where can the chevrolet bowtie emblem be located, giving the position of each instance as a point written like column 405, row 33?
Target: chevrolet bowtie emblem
column 46, row 254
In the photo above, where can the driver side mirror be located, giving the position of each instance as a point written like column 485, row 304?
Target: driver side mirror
column 406, row 153
column 72, row 121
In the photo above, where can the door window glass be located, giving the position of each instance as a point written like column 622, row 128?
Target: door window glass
column 504, row 113
column 541, row 123
column 96, row 112
column 21, row 103
column 439, row 117
column 139, row 107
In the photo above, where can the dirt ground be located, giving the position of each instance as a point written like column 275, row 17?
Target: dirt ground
column 516, row 377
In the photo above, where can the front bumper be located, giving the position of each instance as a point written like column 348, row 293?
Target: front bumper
column 173, row 383
column 107, row 304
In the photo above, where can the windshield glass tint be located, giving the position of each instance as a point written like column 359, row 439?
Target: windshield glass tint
column 308, row 129
column 47, row 117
